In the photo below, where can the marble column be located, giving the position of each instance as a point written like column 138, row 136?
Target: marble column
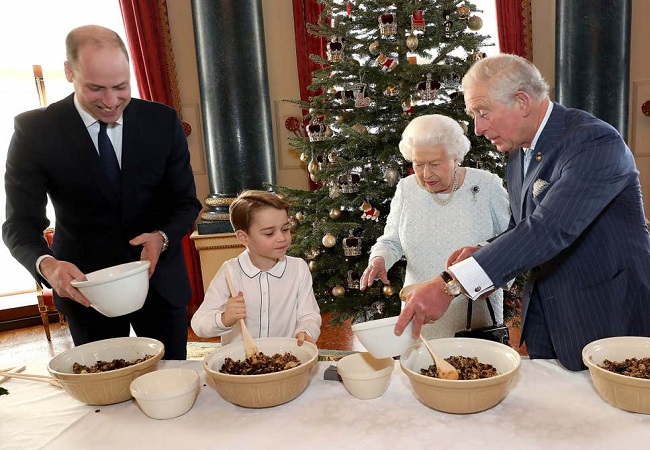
column 231, row 58
column 592, row 58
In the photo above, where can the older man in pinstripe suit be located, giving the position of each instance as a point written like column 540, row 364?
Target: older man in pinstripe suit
column 577, row 221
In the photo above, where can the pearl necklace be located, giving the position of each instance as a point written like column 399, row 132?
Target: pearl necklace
column 444, row 201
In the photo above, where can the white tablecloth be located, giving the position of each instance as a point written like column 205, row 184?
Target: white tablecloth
column 548, row 407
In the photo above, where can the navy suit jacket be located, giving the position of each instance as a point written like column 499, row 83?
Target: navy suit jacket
column 578, row 225
column 51, row 153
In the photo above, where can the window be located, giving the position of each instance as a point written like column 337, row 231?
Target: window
column 33, row 33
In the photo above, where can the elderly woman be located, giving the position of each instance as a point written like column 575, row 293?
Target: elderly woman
column 438, row 209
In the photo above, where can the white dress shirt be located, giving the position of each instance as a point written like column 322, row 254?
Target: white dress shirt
column 280, row 302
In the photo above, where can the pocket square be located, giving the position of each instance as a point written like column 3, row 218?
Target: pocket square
column 539, row 186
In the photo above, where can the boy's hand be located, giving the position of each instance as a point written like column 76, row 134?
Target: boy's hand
column 302, row 337
column 235, row 310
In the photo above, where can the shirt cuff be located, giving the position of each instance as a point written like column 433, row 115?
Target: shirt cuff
column 38, row 264
column 472, row 277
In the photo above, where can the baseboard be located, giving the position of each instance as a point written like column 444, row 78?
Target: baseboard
column 24, row 321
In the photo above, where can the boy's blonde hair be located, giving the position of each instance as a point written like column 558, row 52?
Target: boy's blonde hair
column 249, row 202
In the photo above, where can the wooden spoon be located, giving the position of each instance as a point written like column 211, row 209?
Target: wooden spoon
column 445, row 370
column 32, row 377
column 250, row 349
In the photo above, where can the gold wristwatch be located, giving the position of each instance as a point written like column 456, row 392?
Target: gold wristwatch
column 452, row 287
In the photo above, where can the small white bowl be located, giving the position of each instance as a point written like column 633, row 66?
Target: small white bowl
column 365, row 377
column 166, row 393
column 622, row 391
column 378, row 337
column 117, row 290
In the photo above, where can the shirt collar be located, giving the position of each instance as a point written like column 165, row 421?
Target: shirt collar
column 542, row 125
column 251, row 270
column 89, row 119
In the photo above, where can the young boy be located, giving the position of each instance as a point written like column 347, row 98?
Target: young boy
column 275, row 294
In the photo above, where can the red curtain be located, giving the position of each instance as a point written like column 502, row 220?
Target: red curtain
column 514, row 27
column 304, row 12
column 147, row 33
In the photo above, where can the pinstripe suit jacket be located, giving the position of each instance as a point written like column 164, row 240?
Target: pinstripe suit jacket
column 583, row 236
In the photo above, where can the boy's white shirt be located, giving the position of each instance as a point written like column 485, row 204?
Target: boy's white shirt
column 280, row 302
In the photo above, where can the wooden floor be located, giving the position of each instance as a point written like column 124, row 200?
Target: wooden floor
column 28, row 344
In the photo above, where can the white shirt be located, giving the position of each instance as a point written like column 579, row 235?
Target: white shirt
column 114, row 130
column 279, row 302
column 468, row 272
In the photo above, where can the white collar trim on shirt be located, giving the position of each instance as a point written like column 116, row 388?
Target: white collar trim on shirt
column 542, row 125
column 251, row 270
column 87, row 118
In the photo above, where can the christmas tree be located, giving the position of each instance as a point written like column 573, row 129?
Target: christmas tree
column 387, row 62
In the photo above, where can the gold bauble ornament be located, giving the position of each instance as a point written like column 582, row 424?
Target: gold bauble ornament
column 359, row 128
column 340, row 119
column 304, row 157
column 374, row 48
column 463, row 12
column 338, row 291
column 335, row 213
column 313, row 178
column 332, row 156
column 331, row 90
column 312, row 167
column 388, row 290
column 300, row 216
column 312, row 265
column 412, row 42
column 329, row 240
column 475, row 23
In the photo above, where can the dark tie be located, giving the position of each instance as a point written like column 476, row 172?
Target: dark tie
column 108, row 158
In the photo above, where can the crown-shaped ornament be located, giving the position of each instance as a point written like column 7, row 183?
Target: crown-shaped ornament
column 428, row 90
column 387, row 24
column 335, row 49
column 354, row 280
column 350, row 183
column 352, row 245
column 317, row 131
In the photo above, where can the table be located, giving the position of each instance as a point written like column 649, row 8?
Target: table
column 548, row 407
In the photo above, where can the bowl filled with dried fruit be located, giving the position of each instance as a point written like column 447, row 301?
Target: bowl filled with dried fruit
column 100, row 372
column 277, row 374
column 620, row 370
column 486, row 370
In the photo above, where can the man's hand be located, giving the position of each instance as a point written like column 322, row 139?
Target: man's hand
column 424, row 302
column 375, row 270
column 235, row 310
column 461, row 254
column 152, row 244
column 59, row 274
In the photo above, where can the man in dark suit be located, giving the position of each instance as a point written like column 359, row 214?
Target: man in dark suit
column 577, row 221
column 141, row 214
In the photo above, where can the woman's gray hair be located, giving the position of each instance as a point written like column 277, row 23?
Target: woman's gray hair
column 505, row 74
column 433, row 130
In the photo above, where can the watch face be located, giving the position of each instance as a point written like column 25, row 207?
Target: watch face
column 453, row 288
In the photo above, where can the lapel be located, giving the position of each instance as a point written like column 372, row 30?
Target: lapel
column 81, row 147
column 546, row 147
column 514, row 181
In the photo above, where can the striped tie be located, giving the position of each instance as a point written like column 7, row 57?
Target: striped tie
column 528, row 155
